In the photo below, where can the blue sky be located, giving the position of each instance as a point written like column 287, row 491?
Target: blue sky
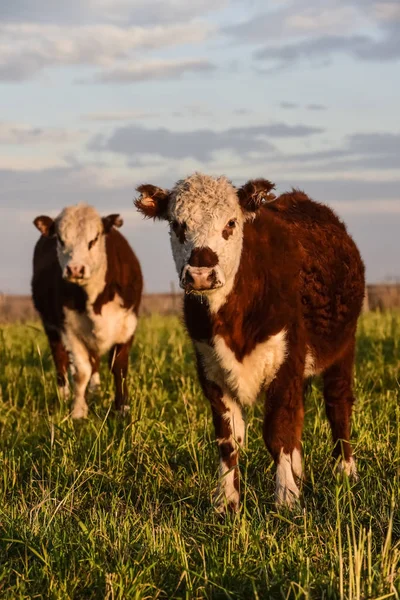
column 98, row 96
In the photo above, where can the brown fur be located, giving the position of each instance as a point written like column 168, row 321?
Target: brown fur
column 123, row 275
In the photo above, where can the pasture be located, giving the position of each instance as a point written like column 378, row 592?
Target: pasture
column 121, row 508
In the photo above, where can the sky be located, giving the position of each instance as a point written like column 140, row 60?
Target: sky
column 99, row 96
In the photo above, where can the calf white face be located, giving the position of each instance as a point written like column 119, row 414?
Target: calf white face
column 80, row 242
column 206, row 229
column 81, row 248
column 206, row 217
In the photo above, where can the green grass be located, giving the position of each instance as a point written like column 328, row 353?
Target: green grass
column 114, row 508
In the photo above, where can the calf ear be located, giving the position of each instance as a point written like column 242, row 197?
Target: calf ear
column 111, row 221
column 45, row 225
column 153, row 201
column 254, row 193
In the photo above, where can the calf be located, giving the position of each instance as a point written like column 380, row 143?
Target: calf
column 273, row 294
column 86, row 286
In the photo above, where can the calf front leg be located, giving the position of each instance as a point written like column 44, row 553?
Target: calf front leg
column 61, row 360
column 118, row 362
column 283, row 424
column 94, row 385
column 81, row 376
column 229, row 429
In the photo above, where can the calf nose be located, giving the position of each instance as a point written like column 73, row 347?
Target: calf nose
column 199, row 278
column 75, row 271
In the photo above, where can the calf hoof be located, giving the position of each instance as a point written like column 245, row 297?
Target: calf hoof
column 348, row 468
column 287, row 496
column 64, row 391
column 123, row 411
column 80, row 412
column 289, row 468
column 224, row 506
column 94, row 384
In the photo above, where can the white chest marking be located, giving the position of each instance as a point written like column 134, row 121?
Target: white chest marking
column 256, row 369
column 115, row 325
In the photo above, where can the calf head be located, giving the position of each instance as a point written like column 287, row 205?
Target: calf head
column 80, row 233
column 206, row 217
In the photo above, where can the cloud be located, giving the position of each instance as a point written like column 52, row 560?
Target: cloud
column 362, row 47
column 288, row 105
column 293, row 105
column 123, row 115
column 27, row 49
column 297, row 18
column 367, row 30
column 242, row 111
column 199, row 144
column 15, row 133
column 151, row 70
column 387, row 11
column 315, row 107
column 374, row 143
column 78, row 12
column 194, row 111
column 378, row 151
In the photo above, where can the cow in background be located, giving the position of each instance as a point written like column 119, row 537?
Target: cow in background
column 274, row 288
column 87, row 287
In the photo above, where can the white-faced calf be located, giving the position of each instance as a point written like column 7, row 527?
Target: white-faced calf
column 273, row 294
column 86, row 286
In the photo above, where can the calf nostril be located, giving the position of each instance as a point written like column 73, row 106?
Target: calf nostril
column 69, row 272
column 189, row 277
column 82, row 271
column 212, row 277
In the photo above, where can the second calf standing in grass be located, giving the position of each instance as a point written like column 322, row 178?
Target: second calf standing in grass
column 87, row 287
column 274, row 288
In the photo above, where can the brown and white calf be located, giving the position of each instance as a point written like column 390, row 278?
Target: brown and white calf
column 273, row 294
column 86, row 286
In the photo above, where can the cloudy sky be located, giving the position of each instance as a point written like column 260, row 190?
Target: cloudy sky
column 98, row 96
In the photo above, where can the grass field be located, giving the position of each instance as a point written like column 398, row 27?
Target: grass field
column 114, row 508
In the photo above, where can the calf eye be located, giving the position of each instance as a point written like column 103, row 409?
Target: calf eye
column 228, row 229
column 179, row 230
column 92, row 243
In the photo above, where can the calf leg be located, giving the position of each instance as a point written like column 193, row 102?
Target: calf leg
column 283, row 426
column 81, row 376
column 61, row 360
column 118, row 362
column 94, row 384
column 229, row 429
column 339, row 400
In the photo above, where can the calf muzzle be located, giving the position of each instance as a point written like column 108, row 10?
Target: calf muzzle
column 74, row 272
column 200, row 279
